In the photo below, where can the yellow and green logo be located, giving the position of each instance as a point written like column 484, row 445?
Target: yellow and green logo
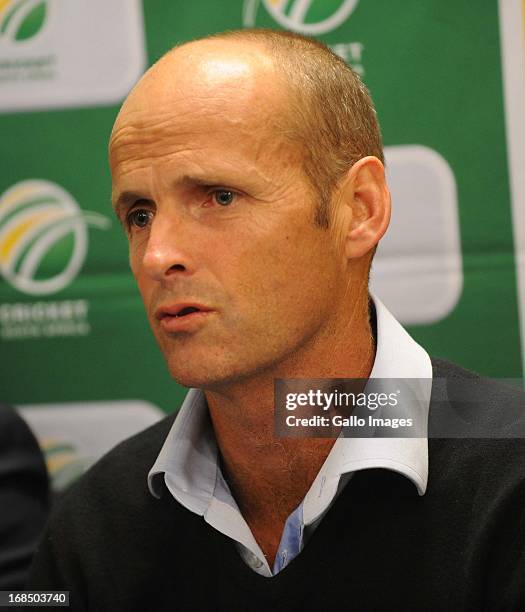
column 43, row 236
column 22, row 20
column 312, row 17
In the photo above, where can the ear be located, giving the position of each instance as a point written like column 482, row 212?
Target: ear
column 365, row 200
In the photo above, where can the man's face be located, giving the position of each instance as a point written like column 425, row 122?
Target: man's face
column 219, row 217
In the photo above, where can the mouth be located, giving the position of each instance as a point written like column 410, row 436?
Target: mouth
column 185, row 311
column 181, row 317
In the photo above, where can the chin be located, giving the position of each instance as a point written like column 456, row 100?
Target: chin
column 210, row 376
column 204, row 376
column 214, row 368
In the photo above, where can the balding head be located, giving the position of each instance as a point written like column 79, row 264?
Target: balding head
column 300, row 89
column 225, row 81
column 202, row 69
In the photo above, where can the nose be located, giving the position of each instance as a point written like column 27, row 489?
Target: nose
column 164, row 255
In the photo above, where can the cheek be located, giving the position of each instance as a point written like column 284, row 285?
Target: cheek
column 283, row 272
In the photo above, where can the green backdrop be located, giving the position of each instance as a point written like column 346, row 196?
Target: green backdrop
column 434, row 70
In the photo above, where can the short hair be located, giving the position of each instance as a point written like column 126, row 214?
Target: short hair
column 332, row 115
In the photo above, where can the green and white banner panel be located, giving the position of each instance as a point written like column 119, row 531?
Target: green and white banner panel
column 448, row 80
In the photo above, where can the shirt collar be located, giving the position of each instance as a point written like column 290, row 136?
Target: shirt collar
column 397, row 356
column 189, row 456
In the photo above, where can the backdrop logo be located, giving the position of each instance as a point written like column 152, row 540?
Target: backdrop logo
column 51, row 57
column 43, row 236
column 22, row 19
column 312, row 17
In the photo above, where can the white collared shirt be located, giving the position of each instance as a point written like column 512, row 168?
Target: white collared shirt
column 189, row 458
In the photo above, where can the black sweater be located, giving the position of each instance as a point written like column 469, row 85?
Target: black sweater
column 381, row 546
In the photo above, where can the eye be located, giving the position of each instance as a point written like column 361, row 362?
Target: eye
column 223, row 197
column 139, row 218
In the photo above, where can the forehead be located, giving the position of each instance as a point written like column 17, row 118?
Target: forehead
column 208, row 94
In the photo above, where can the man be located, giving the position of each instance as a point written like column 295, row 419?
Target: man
column 247, row 173
column 24, row 498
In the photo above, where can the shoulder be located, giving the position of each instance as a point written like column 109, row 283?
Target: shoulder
column 452, row 371
column 127, row 465
column 476, row 482
column 115, row 488
column 108, row 527
column 467, row 405
column 110, row 505
column 476, row 436
column 137, row 451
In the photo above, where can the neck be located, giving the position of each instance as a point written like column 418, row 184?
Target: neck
column 270, row 476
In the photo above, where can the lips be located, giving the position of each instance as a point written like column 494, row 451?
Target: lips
column 181, row 316
column 181, row 309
